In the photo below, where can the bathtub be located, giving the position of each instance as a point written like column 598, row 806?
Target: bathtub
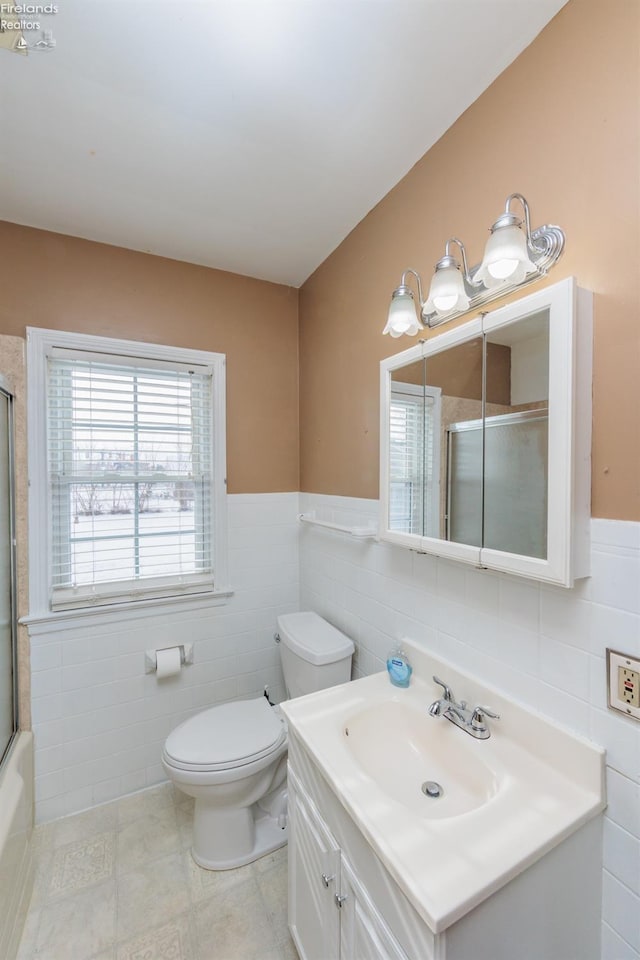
column 16, row 829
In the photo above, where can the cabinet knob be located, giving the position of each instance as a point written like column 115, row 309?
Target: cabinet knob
column 339, row 899
column 327, row 880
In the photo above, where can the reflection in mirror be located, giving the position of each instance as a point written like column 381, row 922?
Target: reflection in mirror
column 471, row 466
column 516, row 438
column 489, row 435
column 411, row 414
column 457, row 374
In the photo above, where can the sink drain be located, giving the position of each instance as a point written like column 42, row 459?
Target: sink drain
column 432, row 789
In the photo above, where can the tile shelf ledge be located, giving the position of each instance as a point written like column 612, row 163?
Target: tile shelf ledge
column 359, row 532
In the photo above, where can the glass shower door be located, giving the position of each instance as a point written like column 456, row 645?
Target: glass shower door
column 8, row 717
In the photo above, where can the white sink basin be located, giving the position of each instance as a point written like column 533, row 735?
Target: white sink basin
column 402, row 748
column 505, row 802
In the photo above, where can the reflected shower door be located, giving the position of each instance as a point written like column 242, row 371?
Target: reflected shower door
column 464, row 482
column 515, row 485
column 512, row 513
column 7, row 665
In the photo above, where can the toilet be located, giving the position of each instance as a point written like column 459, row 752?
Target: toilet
column 232, row 758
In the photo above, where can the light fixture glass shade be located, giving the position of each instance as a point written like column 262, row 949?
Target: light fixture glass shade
column 402, row 318
column 447, row 292
column 506, row 257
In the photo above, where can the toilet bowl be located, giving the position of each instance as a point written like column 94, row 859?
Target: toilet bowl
column 228, row 758
column 232, row 758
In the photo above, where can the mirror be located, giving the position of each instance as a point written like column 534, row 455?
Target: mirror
column 467, row 466
column 410, row 474
column 457, row 372
column 516, row 438
column 483, row 458
column 435, row 481
column 497, row 454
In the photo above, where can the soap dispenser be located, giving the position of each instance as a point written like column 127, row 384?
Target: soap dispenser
column 399, row 668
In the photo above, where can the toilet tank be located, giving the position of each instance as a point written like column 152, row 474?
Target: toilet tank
column 313, row 653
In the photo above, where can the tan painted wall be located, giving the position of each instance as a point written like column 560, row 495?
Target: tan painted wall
column 458, row 371
column 561, row 126
column 68, row 284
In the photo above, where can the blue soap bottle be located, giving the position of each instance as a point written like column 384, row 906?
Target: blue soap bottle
column 399, row 668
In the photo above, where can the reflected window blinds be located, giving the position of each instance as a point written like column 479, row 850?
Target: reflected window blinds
column 413, row 424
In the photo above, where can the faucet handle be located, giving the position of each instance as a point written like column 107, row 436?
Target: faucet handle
column 448, row 695
column 478, row 715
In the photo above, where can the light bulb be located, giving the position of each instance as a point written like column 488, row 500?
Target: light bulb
column 402, row 316
column 445, row 303
column 506, row 257
column 501, row 269
column 447, row 292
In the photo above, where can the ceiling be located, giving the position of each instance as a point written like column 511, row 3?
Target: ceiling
column 249, row 135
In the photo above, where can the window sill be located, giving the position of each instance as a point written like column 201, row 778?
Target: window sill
column 50, row 621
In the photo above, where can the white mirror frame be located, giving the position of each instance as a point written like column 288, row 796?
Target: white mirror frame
column 569, row 452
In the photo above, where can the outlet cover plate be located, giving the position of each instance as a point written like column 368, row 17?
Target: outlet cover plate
column 623, row 683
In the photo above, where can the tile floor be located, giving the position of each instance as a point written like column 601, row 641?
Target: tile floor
column 118, row 883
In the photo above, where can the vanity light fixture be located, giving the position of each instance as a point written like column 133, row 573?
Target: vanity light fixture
column 402, row 309
column 512, row 258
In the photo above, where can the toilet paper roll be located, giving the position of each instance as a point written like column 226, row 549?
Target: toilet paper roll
column 168, row 662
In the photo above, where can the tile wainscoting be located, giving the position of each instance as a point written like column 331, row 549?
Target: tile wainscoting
column 542, row 645
column 100, row 721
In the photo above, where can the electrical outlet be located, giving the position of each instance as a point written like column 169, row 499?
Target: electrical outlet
column 628, row 687
column 623, row 683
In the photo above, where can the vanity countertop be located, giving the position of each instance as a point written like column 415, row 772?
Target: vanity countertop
column 506, row 800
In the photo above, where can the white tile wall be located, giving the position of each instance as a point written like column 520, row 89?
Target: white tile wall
column 100, row 722
column 542, row 645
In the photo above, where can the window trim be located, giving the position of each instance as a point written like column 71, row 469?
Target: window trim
column 40, row 342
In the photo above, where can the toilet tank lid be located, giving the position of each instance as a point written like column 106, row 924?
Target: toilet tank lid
column 312, row 638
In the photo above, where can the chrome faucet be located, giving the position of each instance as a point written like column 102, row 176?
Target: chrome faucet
column 471, row 721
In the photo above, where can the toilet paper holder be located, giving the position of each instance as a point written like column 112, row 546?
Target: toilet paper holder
column 186, row 656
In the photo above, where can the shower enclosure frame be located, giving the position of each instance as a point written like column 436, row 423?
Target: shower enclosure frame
column 13, row 592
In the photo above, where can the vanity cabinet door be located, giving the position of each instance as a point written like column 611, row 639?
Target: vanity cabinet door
column 314, row 881
column 364, row 935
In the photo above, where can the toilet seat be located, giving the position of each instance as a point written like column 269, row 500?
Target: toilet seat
column 225, row 737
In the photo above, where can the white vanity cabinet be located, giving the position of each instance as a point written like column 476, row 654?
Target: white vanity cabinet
column 344, row 904
column 314, row 880
column 363, row 932
column 331, row 914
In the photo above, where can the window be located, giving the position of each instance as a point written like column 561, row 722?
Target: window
column 134, row 468
column 414, row 481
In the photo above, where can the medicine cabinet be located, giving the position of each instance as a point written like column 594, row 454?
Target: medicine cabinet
column 486, row 439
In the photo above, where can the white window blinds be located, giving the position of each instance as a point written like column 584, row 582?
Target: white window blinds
column 413, row 469
column 130, row 462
